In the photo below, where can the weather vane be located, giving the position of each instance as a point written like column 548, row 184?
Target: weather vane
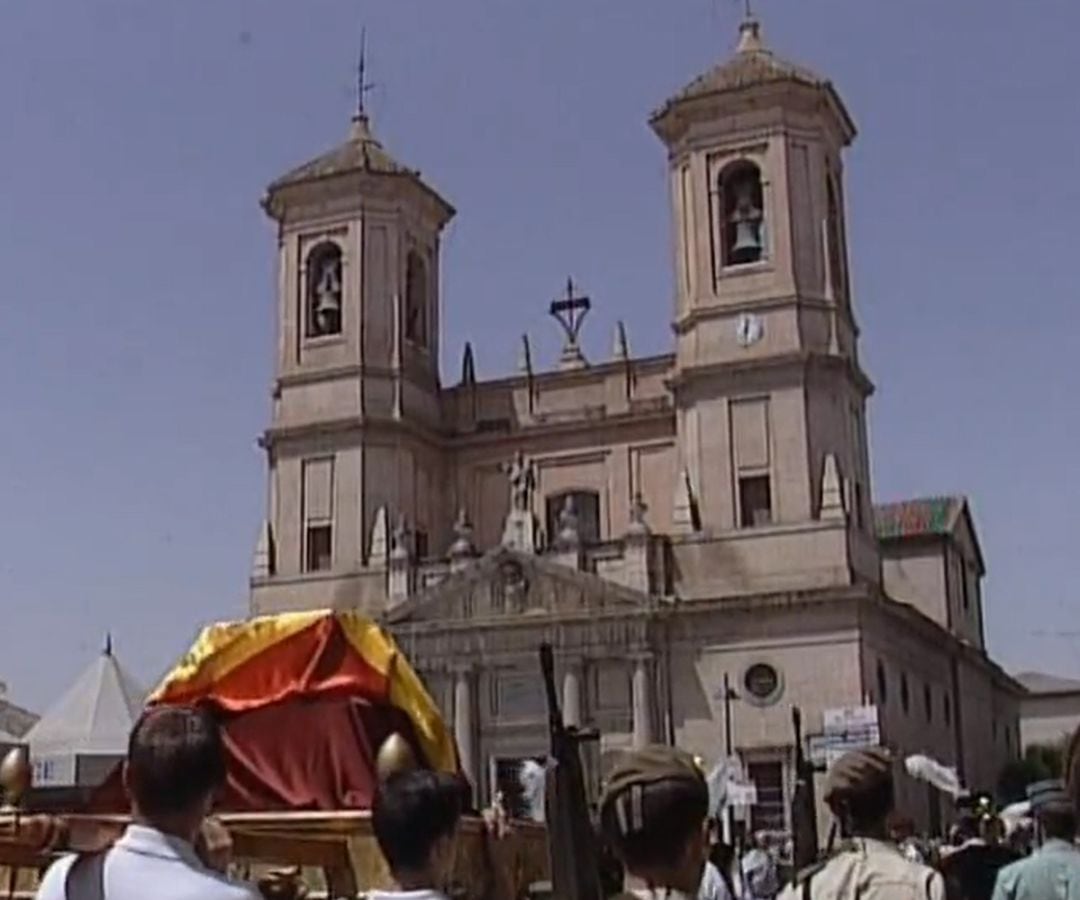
column 362, row 85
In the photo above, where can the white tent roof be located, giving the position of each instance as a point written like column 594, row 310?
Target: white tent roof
column 94, row 716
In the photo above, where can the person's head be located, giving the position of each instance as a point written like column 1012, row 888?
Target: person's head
column 1053, row 810
column 654, row 813
column 859, row 791
column 415, row 817
column 901, row 828
column 175, row 766
column 965, row 829
column 1057, row 821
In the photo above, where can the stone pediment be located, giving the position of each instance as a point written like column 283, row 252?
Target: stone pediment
column 509, row 584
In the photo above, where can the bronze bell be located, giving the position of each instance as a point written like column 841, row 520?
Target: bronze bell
column 747, row 238
column 15, row 775
column 394, row 757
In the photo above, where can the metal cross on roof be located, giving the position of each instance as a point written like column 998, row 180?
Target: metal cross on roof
column 570, row 312
column 362, row 86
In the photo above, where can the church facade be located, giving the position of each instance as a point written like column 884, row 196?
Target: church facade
column 695, row 532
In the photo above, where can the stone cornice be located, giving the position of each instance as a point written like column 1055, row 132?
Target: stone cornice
column 685, row 379
column 721, row 309
column 355, row 427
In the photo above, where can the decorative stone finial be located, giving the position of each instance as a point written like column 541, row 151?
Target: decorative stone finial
column 750, row 36
column 262, row 565
column 379, row 546
column 400, row 540
column 462, row 548
column 832, row 492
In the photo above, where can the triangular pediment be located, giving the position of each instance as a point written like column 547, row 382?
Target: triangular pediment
column 507, row 583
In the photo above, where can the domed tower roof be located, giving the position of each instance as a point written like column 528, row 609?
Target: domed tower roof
column 360, row 154
column 753, row 66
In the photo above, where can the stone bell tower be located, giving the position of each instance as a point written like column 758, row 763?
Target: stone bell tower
column 769, row 393
column 356, row 388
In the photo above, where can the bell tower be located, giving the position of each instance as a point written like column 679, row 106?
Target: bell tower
column 356, row 389
column 767, row 383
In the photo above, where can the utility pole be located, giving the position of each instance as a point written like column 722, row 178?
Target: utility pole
column 729, row 751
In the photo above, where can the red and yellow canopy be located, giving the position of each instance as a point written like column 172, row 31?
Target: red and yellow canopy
column 244, row 666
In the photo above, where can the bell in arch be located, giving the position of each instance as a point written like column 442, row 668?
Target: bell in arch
column 328, row 289
column 326, row 297
column 746, row 219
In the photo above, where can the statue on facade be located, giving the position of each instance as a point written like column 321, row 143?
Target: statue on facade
column 519, row 531
column 522, row 475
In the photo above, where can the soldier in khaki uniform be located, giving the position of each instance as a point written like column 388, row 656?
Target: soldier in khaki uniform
column 654, row 815
column 859, row 791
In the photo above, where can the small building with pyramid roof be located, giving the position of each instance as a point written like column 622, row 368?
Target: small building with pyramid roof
column 82, row 736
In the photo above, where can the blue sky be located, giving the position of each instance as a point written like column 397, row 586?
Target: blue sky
column 136, row 316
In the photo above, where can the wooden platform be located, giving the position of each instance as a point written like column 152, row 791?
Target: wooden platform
column 335, row 853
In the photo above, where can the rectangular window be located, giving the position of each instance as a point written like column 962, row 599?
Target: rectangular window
column 755, row 501
column 585, row 506
column 318, row 554
column 751, row 455
column 318, row 512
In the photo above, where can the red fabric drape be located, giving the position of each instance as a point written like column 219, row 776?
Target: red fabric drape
column 316, row 754
column 300, row 754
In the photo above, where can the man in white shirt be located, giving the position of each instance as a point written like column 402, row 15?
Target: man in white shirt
column 415, row 817
column 175, row 765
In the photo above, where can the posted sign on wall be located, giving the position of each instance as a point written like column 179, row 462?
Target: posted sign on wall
column 845, row 728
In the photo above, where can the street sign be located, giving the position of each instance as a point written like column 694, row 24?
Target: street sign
column 846, row 728
column 742, row 794
column 850, row 718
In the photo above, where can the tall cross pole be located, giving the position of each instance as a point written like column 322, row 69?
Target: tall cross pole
column 362, row 85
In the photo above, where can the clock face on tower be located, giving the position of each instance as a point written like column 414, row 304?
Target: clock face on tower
column 749, row 329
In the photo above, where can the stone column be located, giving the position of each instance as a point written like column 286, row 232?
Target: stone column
column 463, row 722
column 642, row 703
column 571, row 692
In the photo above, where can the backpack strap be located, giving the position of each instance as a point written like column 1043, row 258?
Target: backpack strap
column 86, row 878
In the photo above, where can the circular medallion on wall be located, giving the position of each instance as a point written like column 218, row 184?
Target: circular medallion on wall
column 762, row 683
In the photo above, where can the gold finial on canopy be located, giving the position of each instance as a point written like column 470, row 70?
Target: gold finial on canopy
column 394, row 757
column 15, row 776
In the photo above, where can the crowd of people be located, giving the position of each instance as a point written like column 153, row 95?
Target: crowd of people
column 654, row 815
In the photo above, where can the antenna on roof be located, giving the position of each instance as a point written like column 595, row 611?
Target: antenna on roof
column 362, row 85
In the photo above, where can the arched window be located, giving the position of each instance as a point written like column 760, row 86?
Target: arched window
column 586, row 508
column 322, row 277
column 928, row 704
column 837, row 256
column 947, row 710
column 416, row 299
column 905, row 697
column 882, row 684
column 742, row 205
